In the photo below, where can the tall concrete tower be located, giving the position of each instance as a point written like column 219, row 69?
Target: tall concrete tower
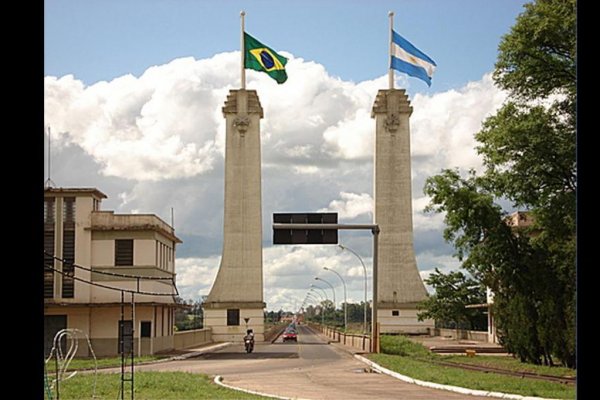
column 237, row 293
column 400, row 286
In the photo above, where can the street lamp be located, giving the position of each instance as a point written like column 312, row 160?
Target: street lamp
column 365, row 271
column 312, row 290
column 345, row 298
column 312, row 285
column 319, row 303
column 333, row 290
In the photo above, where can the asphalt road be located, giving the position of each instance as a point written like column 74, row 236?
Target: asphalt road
column 308, row 369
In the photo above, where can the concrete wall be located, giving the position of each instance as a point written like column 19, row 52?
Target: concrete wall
column 195, row 337
column 405, row 322
column 361, row 342
column 221, row 332
column 477, row 336
column 101, row 324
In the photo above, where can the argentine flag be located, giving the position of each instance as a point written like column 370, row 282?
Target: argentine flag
column 410, row 60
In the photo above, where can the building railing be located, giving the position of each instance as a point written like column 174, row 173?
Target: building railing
column 108, row 220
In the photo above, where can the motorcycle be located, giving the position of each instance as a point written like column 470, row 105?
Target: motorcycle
column 249, row 343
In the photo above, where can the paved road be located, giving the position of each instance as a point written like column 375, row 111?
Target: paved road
column 309, row 369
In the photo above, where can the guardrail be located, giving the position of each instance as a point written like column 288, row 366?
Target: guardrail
column 362, row 342
column 274, row 332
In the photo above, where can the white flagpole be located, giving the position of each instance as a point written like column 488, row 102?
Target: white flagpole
column 391, row 71
column 243, row 51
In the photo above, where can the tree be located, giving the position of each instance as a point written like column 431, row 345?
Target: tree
column 528, row 150
column 453, row 292
column 188, row 315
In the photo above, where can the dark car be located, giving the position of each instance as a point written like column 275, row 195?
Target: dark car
column 290, row 334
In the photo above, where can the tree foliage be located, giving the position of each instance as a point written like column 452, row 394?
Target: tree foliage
column 529, row 154
column 453, row 292
column 188, row 315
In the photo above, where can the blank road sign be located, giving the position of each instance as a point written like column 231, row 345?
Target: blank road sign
column 305, row 236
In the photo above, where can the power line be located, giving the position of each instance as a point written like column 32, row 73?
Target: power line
column 137, row 291
column 121, row 275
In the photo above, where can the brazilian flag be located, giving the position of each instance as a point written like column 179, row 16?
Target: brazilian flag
column 259, row 57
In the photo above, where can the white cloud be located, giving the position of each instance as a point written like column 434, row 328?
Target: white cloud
column 351, row 205
column 156, row 141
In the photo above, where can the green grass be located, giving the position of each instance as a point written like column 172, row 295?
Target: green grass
column 429, row 372
column 88, row 363
column 402, row 346
column 416, row 361
column 150, row 385
column 509, row 363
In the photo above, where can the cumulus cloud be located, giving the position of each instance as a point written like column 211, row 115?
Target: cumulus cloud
column 156, row 142
column 351, row 205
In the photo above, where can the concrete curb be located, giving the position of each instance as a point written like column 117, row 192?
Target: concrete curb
column 433, row 385
column 219, row 381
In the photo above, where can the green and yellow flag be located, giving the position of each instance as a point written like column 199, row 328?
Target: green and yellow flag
column 259, row 57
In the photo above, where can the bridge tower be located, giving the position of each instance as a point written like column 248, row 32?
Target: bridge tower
column 400, row 287
column 235, row 301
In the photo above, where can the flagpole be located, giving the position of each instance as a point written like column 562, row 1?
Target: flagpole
column 242, row 48
column 391, row 71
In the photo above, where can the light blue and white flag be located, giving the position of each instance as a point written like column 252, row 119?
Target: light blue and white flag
column 410, row 60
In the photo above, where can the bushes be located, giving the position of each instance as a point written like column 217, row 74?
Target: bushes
column 402, row 346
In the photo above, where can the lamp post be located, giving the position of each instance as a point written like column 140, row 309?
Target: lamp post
column 333, row 291
column 324, row 297
column 321, row 304
column 312, row 285
column 317, row 303
column 345, row 298
column 365, row 272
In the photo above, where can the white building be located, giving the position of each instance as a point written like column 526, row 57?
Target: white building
column 77, row 231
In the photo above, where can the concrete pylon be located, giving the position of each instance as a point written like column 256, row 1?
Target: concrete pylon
column 400, row 287
column 237, row 292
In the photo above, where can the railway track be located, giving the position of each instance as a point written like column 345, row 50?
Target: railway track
column 567, row 380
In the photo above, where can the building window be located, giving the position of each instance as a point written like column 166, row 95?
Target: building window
column 395, row 313
column 69, row 210
column 49, row 205
column 68, row 282
column 233, row 317
column 49, row 210
column 146, row 329
column 124, row 252
column 68, row 254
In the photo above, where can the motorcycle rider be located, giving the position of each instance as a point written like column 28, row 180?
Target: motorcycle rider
column 249, row 336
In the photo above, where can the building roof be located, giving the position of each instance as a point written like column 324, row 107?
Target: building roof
column 75, row 192
column 109, row 221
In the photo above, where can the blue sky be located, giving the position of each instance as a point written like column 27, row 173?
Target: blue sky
column 100, row 40
column 133, row 96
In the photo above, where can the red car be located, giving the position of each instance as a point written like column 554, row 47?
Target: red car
column 290, row 334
